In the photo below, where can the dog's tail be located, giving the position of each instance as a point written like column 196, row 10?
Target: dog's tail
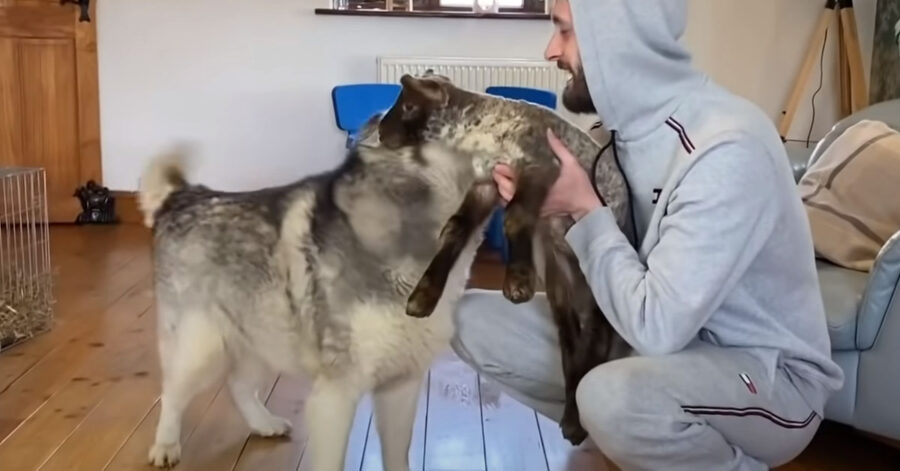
column 163, row 175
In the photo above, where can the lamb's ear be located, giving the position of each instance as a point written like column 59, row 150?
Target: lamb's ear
column 404, row 122
column 429, row 91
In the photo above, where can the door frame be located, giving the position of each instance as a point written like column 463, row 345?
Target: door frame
column 88, row 73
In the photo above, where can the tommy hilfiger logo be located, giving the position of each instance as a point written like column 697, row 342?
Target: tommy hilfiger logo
column 656, row 193
column 748, row 382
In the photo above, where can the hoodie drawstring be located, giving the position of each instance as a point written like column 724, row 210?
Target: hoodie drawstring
column 615, row 149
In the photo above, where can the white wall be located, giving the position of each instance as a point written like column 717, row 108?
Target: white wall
column 756, row 48
column 249, row 81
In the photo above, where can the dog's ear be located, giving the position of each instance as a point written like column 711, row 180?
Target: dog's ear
column 405, row 121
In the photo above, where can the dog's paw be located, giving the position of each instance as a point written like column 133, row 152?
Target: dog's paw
column 164, row 455
column 422, row 302
column 274, row 427
column 518, row 286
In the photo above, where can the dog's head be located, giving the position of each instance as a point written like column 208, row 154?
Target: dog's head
column 420, row 98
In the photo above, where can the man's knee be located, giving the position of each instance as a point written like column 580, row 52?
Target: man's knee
column 611, row 394
column 513, row 344
column 603, row 397
column 473, row 328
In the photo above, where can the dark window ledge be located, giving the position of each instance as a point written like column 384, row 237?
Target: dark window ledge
column 433, row 14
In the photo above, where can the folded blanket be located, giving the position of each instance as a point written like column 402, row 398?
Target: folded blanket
column 852, row 195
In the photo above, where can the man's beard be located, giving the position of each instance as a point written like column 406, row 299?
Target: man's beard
column 576, row 97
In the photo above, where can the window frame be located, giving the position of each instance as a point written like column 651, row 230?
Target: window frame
column 531, row 9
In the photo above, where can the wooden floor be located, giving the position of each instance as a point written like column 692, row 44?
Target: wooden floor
column 84, row 396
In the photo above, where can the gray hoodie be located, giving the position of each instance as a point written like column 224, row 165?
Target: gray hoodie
column 725, row 253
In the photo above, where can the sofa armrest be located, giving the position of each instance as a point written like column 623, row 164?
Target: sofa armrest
column 881, row 291
column 798, row 157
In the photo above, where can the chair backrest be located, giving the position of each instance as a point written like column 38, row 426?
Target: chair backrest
column 354, row 104
column 533, row 95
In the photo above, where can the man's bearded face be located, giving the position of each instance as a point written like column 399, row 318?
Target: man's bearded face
column 576, row 97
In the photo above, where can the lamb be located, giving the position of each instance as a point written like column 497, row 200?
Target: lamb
column 431, row 109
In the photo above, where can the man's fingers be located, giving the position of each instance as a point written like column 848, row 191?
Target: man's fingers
column 505, row 179
column 506, row 188
column 562, row 153
column 504, row 170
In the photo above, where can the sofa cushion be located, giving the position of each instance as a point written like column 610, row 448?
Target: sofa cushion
column 842, row 291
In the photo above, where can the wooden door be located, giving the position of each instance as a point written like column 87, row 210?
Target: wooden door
column 49, row 107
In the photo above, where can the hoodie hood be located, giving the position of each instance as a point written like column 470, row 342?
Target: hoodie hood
column 636, row 69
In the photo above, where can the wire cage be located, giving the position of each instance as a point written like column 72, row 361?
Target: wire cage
column 26, row 287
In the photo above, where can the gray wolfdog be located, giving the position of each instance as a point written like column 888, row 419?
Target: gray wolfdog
column 351, row 277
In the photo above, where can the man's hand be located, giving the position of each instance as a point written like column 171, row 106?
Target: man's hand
column 571, row 195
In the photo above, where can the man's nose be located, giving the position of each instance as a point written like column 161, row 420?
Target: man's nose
column 553, row 50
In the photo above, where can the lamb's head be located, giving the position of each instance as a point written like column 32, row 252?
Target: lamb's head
column 430, row 108
column 412, row 119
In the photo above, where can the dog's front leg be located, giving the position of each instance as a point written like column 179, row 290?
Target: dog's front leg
column 329, row 412
column 395, row 414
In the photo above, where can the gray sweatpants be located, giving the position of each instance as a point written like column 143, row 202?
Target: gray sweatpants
column 704, row 408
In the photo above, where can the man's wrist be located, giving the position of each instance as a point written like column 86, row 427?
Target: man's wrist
column 586, row 207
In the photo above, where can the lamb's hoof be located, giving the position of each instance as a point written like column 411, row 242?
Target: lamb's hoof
column 573, row 431
column 165, row 455
column 275, row 427
column 421, row 303
column 518, row 286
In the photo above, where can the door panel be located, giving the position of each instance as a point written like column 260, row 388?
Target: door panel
column 10, row 104
column 49, row 105
column 34, row 20
column 50, row 131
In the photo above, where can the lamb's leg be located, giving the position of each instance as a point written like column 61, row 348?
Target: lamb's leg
column 566, row 319
column 472, row 214
column 522, row 216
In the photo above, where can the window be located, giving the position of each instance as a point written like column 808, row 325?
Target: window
column 501, row 8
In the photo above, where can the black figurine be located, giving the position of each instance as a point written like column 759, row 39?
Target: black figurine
column 85, row 8
column 98, row 206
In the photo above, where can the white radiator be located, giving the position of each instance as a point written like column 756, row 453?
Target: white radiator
column 476, row 74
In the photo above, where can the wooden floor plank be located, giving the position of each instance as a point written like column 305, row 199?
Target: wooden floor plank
column 287, row 400
column 562, row 456
column 77, row 312
column 453, row 437
column 54, row 420
column 512, row 440
column 77, row 356
column 103, row 432
column 359, row 434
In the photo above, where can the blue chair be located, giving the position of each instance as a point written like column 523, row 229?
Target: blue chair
column 354, row 104
column 532, row 95
column 494, row 235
